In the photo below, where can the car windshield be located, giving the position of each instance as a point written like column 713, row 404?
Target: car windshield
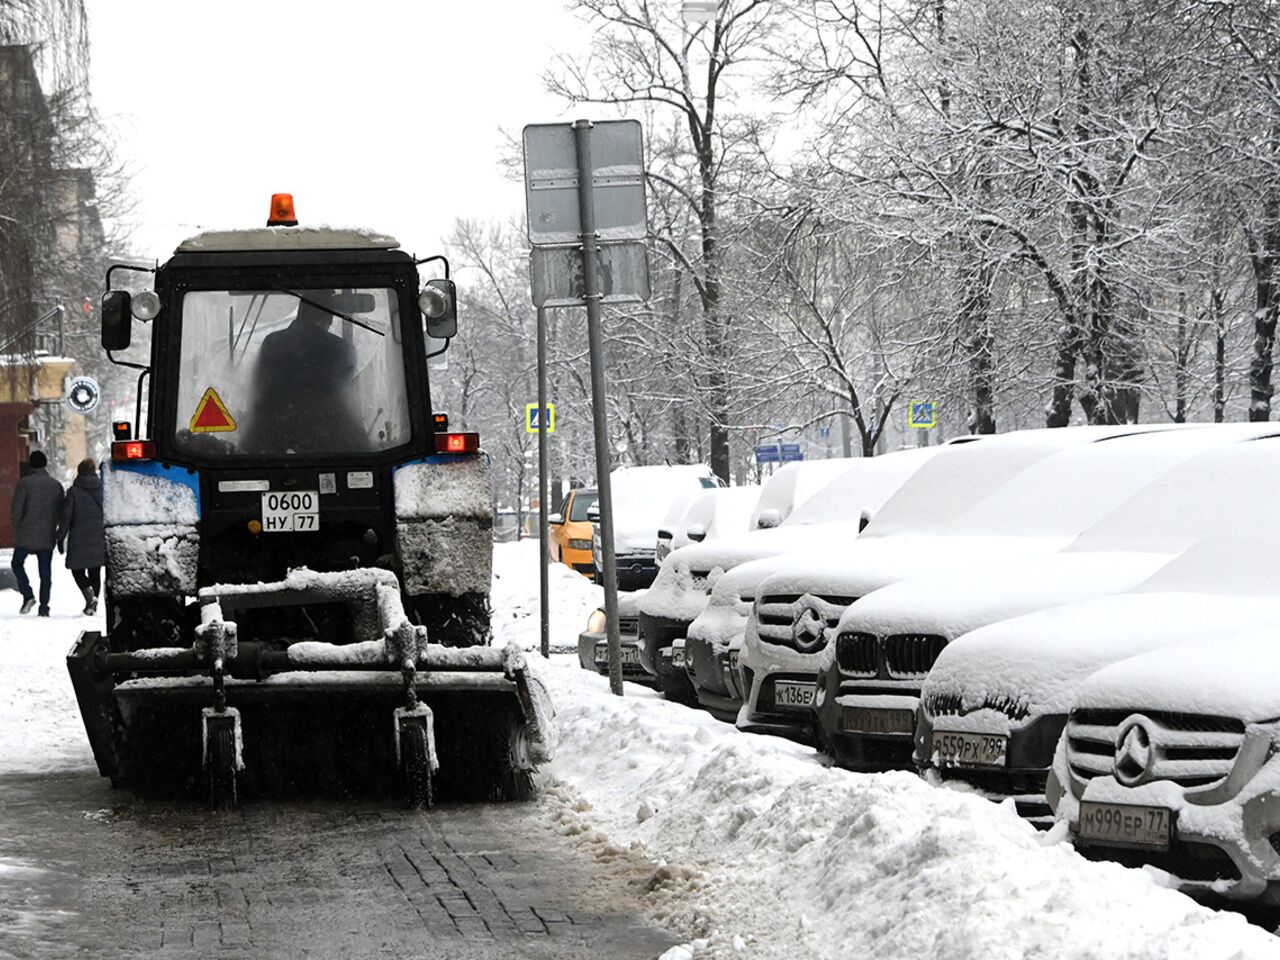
column 291, row 372
column 581, row 504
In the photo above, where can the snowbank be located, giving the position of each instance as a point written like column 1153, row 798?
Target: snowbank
column 514, row 598
column 753, row 842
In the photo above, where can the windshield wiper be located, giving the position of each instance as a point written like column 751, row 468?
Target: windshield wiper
column 329, row 310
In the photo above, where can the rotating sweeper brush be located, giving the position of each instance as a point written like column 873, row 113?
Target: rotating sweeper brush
column 299, row 553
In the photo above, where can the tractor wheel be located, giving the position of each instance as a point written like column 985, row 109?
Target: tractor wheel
column 511, row 774
column 415, row 767
column 223, row 776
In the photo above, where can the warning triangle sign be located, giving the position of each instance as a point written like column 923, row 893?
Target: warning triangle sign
column 212, row 415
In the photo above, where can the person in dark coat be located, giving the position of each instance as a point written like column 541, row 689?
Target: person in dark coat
column 37, row 510
column 81, row 534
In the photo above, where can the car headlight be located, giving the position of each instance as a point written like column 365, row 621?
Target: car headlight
column 576, row 544
column 597, row 622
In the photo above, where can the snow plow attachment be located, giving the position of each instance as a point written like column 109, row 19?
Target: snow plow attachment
column 387, row 711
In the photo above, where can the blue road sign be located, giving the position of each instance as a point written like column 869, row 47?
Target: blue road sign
column 768, row 454
column 825, row 432
column 791, row 451
column 923, row 414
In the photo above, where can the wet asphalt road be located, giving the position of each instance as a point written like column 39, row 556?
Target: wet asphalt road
column 90, row 872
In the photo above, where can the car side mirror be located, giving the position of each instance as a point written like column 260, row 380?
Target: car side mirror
column 696, row 532
column 768, row 519
column 117, row 319
column 439, row 305
column 556, row 518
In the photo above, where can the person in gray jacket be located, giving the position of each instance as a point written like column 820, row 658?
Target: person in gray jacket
column 81, row 534
column 37, row 510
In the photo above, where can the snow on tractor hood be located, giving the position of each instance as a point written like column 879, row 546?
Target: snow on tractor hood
column 1038, row 660
column 953, row 602
column 1232, row 675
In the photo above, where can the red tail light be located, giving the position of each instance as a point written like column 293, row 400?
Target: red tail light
column 122, row 451
column 457, row 443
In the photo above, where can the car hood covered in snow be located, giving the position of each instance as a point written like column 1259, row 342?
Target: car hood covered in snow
column 1038, row 660
column 1223, row 674
column 724, row 620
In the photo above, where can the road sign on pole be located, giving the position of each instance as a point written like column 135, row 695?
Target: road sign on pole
column 555, row 275
column 584, row 183
column 922, row 414
column 768, row 453
column 615, row 179
column 791, row 452
column 533, row 421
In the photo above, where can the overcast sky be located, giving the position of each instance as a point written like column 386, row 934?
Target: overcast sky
column 383, row 113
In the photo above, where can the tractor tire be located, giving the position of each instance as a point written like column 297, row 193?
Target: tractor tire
column 507, row 781
column 415, row 767
column 224, row 792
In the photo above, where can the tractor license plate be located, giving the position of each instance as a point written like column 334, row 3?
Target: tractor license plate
column 629, row 654
column 788, row 694
column 874, row 720
column 1126, row 825
column 290, row 511
column 969, row 749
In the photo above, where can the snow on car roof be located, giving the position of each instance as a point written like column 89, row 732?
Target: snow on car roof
column 1210, row 493
column 725, row 510
column 643, row 495
column 863, row 488
column 1065, row 493
column 962, row 474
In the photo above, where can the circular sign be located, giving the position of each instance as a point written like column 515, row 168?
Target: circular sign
column 83, row 394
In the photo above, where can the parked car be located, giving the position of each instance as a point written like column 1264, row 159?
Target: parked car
column 686, row 580
column 641, row 498
column 992, row 706
column 593, row 651
column 1170, row 759
column 571, row 531
column 1008, row 495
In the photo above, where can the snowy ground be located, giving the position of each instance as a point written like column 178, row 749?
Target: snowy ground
column 752, row 847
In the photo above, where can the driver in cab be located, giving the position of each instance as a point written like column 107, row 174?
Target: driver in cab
column 303, row 384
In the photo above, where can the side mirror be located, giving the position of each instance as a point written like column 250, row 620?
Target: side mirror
column 696, row 532
column 768, row 519
column 439, row 305
column 555, row 518
column 116, row 320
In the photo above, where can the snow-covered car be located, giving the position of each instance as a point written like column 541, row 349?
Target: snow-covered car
column 642, row 498
column 684, row 583
column 707, row 516
column 1172, row 759
column 1002, row 496
column 593, row 642
column 984, row 718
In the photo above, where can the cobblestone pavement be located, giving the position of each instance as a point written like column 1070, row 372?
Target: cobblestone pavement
column 89, row 872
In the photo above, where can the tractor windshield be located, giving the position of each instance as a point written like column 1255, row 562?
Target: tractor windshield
column 291, row 372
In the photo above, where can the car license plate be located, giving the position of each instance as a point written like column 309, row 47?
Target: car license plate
column 628, row 654
column 733, row 660
column 677, row 656
column 792, row 695
column 969, row 749
column 290, row 511
column 876, row 720
column 1125, row 824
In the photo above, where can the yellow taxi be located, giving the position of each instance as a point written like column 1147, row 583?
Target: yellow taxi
column 571, row 531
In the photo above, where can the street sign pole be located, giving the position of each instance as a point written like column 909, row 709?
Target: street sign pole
column 595, row 340
column 544, row 499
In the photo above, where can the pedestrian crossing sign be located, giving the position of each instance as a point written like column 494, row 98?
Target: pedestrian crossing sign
column 923, row 414
column 532, row 420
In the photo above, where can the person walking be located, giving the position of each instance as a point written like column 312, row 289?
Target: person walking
column 81, row 533
column 37, row 510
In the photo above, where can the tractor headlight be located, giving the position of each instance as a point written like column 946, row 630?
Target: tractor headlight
column 145, row 305
column 597, row 622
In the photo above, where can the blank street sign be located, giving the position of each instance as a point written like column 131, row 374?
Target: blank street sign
column 551, row 181
column 555, row 275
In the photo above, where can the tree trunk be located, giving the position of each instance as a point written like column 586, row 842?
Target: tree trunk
column 975, row 321
column 1219, row 356
column 1263, row 258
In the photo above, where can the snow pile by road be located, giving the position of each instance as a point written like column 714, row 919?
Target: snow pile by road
column 757, row 844
column 514, row 598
